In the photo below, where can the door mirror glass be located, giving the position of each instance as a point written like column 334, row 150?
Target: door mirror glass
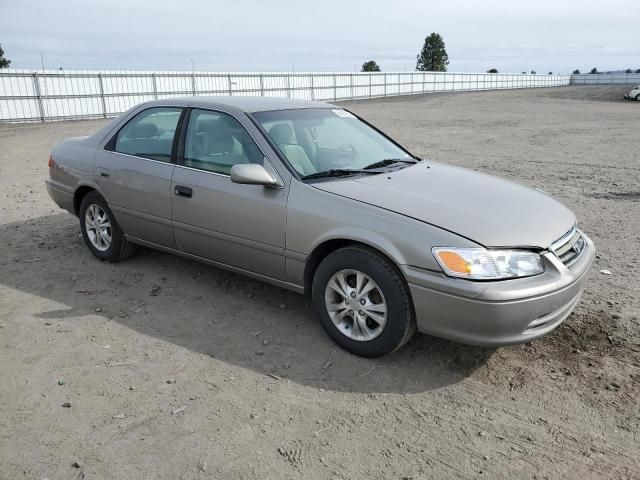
column 253, row 174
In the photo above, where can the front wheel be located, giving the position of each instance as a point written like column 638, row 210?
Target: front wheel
column 100, row 231
column 638, row 97
column 363, row 302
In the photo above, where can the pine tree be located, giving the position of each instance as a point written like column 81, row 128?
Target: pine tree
column 370, row 66
column 433, row 56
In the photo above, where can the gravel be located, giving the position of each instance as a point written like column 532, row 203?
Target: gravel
column 562, row 407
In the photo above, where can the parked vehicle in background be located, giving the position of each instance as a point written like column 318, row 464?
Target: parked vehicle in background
column 634, row 94
column 312, row 198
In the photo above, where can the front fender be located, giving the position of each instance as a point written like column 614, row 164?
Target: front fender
column 358, row 234
column 315, row 216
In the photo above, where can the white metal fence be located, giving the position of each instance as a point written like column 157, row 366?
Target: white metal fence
column 58, row 95
column 606, row 79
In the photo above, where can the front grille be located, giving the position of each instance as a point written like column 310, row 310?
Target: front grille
column 569, row 247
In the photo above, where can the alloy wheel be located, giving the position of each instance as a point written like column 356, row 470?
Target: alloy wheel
column 356, row 305
column 98, row 227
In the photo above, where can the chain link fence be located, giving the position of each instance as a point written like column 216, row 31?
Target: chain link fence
column 29, row 96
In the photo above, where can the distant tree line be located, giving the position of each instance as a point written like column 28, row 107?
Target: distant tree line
column 594, row 71
column 433, row 57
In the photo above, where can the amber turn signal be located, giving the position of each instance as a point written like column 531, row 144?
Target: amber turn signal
column 454, row 262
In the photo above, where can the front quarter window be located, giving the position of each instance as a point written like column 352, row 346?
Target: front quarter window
column 317, row 140
column 216, row 142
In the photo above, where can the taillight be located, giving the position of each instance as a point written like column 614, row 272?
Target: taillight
column 52, row 162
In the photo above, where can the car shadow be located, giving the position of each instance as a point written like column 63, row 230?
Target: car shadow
column 214, row 312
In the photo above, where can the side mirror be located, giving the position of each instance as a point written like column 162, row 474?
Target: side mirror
column 253, row 174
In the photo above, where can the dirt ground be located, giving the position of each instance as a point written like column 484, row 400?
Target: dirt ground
column 218, row 376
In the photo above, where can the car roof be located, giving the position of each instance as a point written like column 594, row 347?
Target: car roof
column 248, row 104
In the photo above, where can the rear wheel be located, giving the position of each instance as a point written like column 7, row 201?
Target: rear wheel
column 638, row 97
column 100, row 231
column 362, row 302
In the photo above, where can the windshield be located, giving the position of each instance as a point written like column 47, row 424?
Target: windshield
column 317, row 140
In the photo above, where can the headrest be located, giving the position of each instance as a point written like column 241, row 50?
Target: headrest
column 218, row 141
column 205, row 124
column 281, row 133
column 227, row 121
column 143, row 130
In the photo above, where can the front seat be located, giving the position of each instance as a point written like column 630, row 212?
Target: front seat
column 282, row 135
column 215, row 150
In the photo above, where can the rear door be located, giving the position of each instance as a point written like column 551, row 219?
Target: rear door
column 214, row 218
column 134, row 173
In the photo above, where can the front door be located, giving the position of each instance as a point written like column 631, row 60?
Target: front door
column 214, row 218
column 134, row 173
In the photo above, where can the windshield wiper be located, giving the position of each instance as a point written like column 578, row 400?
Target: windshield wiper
column 390, row 161
column 336, row 172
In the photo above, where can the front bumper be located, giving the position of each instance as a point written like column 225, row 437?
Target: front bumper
column 498, row 313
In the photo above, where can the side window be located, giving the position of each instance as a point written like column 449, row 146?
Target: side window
column 216, row 142
column 150, row 134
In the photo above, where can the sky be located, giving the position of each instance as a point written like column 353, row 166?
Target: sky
column 325, row 35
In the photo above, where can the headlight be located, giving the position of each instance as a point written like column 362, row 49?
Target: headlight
column 483, row 264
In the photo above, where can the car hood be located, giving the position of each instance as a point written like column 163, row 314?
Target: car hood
column 488, row 210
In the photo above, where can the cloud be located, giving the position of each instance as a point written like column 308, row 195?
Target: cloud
column 329, row 35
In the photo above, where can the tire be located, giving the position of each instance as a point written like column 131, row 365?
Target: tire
column 357, row 331
column 638, row 97
column 110, row 245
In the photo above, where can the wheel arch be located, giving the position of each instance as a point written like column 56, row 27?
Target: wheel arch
column 329, row 245
column 79, row 194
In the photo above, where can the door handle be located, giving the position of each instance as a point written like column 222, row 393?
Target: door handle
column 181, row 191
column 103, row 172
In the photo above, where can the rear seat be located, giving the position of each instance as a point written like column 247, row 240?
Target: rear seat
column 144, row 140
